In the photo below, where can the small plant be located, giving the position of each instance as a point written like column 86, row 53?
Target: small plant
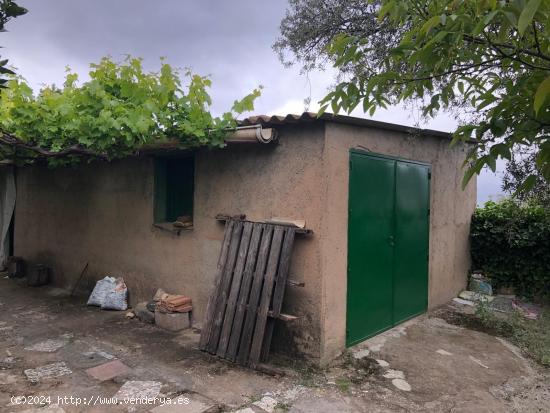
column 531, row 336
column 343, row 384
column 285, row 407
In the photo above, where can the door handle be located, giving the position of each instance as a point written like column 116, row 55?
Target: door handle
column 391, row 240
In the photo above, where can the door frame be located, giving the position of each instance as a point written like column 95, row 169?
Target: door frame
column 375, row 155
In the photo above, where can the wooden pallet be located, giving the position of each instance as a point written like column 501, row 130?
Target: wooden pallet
column 249, row 289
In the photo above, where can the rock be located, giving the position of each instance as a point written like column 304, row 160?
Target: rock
column 361, row 354
column 503, row 303
column 382, row 363
column 152, row 306
column 464, row 302
column 475, row 296
column 143, row 313
column 394, row 374
column 172, row 321
column 267, row 403
column 130, row 314
column 401, row 384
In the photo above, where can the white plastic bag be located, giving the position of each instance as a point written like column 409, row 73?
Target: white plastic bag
column 102, row 287
column 117, row 297
column 110, row 294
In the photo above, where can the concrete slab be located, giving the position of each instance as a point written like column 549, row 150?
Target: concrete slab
column 135, row 389
column 183, row 404
column 108, row 371
column 438, row 382
column 48, row 371
column 48, row 346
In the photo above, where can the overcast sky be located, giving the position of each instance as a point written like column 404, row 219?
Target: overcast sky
column 228, row 40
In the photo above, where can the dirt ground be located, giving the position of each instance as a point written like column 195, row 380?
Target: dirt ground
column 423, row 365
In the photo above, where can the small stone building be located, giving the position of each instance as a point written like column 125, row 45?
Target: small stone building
column 390, row 222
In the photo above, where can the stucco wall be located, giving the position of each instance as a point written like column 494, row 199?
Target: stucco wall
column 451, row 210
column 103, row 213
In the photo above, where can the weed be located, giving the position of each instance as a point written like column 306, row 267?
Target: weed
column 531, row 336
column 343, row 384
column 284, row 407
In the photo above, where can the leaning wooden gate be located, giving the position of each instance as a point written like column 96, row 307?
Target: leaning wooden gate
column 248, row 293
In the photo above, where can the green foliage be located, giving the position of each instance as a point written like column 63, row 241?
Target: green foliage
column 8, row 10
column 521, row 166
column 493, row 56
column 510, row 243
column 533, row 337
column 119, row 110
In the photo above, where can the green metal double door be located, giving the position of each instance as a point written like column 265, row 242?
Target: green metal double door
column 388, row 233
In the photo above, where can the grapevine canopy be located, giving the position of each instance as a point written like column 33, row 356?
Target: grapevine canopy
column 121, row 109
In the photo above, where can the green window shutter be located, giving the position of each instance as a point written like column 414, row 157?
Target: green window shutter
column 174, row 187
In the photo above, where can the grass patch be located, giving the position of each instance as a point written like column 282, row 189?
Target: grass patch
column 343, row 384
column 531, row 336
column 284, row 407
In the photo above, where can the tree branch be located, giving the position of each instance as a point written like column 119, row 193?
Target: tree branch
column 12, row 141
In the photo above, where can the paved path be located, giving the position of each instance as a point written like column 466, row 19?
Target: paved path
column 48, row 343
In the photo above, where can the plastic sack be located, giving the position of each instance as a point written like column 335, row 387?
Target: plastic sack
column 117, row 297
column 110, row 294
column 102, row 287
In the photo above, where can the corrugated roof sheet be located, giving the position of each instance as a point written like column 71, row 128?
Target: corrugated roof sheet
column 306, row 117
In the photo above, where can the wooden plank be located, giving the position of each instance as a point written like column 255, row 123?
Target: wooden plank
column 255, row 294
column 279, row 291
column 267, row 292
column 225, row 217
column 211, row 306
column 221, row 301
column 282, row 317
column 245, row 292
column 234, row 290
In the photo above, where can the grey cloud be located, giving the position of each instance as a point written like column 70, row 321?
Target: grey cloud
column 229, row 40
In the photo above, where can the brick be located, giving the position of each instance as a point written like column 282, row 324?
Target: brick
column 108, row 371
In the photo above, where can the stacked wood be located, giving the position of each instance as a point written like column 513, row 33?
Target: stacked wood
column 249, row 289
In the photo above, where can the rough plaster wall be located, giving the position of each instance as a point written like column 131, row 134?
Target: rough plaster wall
column 102, row 214
column 451, row 209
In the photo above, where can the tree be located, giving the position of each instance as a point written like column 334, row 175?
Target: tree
column 119, row 110
column 310, row 25
column 518, row 168
column 494, row 55
column 8, row 10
